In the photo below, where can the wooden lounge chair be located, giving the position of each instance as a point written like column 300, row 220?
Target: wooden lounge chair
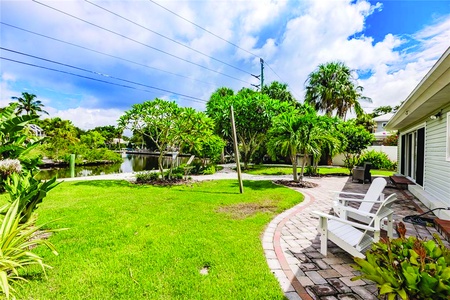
column 354, row 237
column 373, row 195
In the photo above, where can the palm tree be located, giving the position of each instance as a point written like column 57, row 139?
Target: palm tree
column 331, row 89
column 299, row 131
column 29, row 105
column 279, row 91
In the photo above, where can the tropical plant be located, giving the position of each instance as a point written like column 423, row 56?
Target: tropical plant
column 331, row 89
column 28, row 104
column 16, row 240
column 378, row 159
column 354, row 139
column 279, row 91
column 253, row 114
column 28, row 191
column 15, row 142
column 409, row 268
column 299, row 132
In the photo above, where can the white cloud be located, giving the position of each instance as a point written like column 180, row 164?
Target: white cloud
column 88, row 118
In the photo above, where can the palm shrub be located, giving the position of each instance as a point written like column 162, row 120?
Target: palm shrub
column 409, row 268
column 16, row 240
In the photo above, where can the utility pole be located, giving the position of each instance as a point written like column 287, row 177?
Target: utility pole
column 262, row 72
column 236, row 151
column 260, row 76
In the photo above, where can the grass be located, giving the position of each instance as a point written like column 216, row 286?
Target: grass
column 127, row 241
column 323, row 170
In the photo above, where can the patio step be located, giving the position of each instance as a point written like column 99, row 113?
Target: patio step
column 401, row 182
column 443, row 227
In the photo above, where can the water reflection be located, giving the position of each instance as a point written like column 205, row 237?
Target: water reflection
column 131, row 163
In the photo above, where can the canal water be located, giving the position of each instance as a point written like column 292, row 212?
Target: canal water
column 131, row 163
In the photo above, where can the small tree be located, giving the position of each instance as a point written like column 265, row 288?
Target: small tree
column 355, row 138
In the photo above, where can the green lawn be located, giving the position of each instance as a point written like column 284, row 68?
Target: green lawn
column 323, row 170
column 141, row 242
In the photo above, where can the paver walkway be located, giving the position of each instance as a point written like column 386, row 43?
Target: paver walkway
column 292, row 246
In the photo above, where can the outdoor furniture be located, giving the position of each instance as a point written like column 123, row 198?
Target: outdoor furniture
column 354, row 237
column 362, row 173
column 373, row 195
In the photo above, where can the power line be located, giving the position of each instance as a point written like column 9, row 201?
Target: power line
column 217, row 36
column 195, row 99
column 106, row 54
column 202, row 28
column 166, row 37
column 143, row 44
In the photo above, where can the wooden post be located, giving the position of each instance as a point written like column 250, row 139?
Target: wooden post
column 236, row 151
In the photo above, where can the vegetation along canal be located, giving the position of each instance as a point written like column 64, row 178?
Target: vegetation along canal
column 131, row 163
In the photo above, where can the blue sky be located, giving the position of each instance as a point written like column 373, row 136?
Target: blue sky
column 390, row 45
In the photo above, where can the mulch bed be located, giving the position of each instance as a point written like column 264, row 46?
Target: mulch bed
column 291, row 183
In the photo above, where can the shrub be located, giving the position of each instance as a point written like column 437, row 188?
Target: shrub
column 378, row 159
column 16, row 240
column 209, row 170
column 146, row 176
column 28, row 191
column 408, row 268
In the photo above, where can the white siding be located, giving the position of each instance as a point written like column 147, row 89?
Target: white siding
column 437, row 168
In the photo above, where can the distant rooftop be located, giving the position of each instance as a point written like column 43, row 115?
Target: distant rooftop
column 383, row 118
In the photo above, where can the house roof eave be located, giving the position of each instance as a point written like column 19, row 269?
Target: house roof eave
column 429, row 95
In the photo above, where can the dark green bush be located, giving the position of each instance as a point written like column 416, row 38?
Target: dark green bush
column 209, row 170
column 146, row 177
column 378, row 159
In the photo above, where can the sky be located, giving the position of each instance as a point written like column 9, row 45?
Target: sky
column 89, row 61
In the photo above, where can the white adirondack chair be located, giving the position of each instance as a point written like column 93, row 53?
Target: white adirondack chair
column 373, row 195
column 351, row 236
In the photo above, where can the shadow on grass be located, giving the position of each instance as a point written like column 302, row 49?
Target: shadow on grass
column 258, row 185
column 104, row 183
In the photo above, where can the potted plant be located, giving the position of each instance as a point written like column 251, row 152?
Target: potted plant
column 407, row 268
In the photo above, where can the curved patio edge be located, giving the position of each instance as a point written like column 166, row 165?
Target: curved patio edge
column 275, row 256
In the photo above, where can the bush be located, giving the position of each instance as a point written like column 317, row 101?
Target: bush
column 408, row 267
column 378, row 159
column 146, row 177
column 209, row 170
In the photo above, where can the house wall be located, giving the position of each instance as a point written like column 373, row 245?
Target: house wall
column 435, row 191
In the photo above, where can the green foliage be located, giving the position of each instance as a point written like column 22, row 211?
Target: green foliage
column 15, row 143
column 253, row 113
column 378, row 159
column 279, row 91
column 409, row 268
column 354, row 138
column 331, row 88
column 146, row 177
column 16, row 239
column 300, row 131
column 29, row 105
column 28, row 192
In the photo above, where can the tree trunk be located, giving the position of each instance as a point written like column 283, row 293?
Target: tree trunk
column 294, row 167
column 160, row 163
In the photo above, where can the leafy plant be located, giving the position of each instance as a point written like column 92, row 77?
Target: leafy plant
column 146, row 176
column 408, row 267
column 378, row 159
column 16, row 240
column 28, row 191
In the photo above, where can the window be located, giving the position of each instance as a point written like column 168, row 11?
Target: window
column 383, row 124
column 448, row 137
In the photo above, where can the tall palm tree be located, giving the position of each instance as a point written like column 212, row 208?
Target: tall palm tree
column 331, row 88
column 29, row 104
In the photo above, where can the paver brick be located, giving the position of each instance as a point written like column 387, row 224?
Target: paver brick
column 347, row 281
column 324, row 290
column 364, row 293
column 315, row 277
column 343, row 270
column 339, row 285
column 321, row 264
column 349, row 297
column 304, row 280
column 329, row 273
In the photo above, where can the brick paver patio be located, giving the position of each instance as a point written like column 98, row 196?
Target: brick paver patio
column 291, row 244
